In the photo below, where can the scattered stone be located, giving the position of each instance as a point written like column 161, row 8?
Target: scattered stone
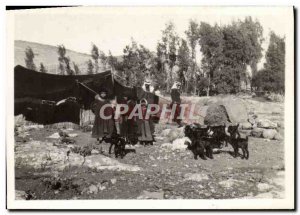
column 280, row 173
column 54, row 136
column 175, row 134
column 228, row 183
column 152, row 158
column 267, row 195
column 257, row 132
column 36, row 155
column 113, row 180
column 178, row 144
column 278, row 167
column 165, row 132
column 151, row 195
column 262, row 187
column 277, row 136
column 196, row 177
column 265, row 123
column 20, row 195
column 246, row 125
column 73, row 135
column 280, row 124
column 93, row 189
column 269, row 133
column 95, row 152
column 101, row 186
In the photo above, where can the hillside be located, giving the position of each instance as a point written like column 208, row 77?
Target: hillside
column 47, row 55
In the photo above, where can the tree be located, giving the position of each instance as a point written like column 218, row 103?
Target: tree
column 228, row 50
column 103, row 60
column 42, row 68
column 90, row 67
column 211, row 45
column 95, row 56
column 168, row 51
column 193, row 37
column 29, row 56
column 184, row 62
column 253, row 34
column 138, row 62
column 64, row 62
column 272, row 77
column 76, row 69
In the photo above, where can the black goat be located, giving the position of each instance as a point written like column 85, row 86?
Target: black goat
column 238, row 142
column 200, row 144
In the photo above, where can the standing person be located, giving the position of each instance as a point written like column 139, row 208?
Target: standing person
column 150, row 96
column 103, row 128
column 127, row 126
column 176, row 100
column 145, row 135
column 147, row 87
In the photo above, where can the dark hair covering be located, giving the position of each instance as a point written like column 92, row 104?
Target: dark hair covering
column 103, row 90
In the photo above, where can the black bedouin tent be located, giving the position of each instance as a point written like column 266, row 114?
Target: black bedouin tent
column 38, row 96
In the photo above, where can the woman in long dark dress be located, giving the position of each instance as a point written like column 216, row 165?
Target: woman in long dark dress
column 103, row 128
column 145, row 135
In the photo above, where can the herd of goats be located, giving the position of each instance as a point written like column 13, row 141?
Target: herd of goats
column 202, row 141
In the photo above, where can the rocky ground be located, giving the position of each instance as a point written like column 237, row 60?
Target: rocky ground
column 48, row 169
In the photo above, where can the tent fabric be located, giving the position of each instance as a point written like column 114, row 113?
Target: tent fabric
column 37, row 93
column 29, row 83
column 150, row 97
column 122, row 91
column 45, row 113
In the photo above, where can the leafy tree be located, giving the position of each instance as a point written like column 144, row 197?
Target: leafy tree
column 168, row 51
column 253, row 34
column 76, row 69
column 64, row 62
column 90, row 67
column 272, row 77
column 202, row 85
column 211, row 45
column 184, row 62
column 95, row 56
column 42, row 68
column 227, row 51
column 138, row 62
column 103, row 60
column 193, row 36
column 29, row 56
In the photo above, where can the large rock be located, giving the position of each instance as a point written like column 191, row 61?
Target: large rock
column 196, row 177
column 40, row 155
column 278, row 136
column 175, row 133
column 269, row 133
column 246, row 126
column 165, row 132
column 151, row 195
column 20, row 195
column 257, row 132
column 178, row 144
column 265, row 123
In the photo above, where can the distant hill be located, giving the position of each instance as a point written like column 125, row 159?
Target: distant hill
column 47, row 55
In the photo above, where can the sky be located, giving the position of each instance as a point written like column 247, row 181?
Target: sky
column 111, row 28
